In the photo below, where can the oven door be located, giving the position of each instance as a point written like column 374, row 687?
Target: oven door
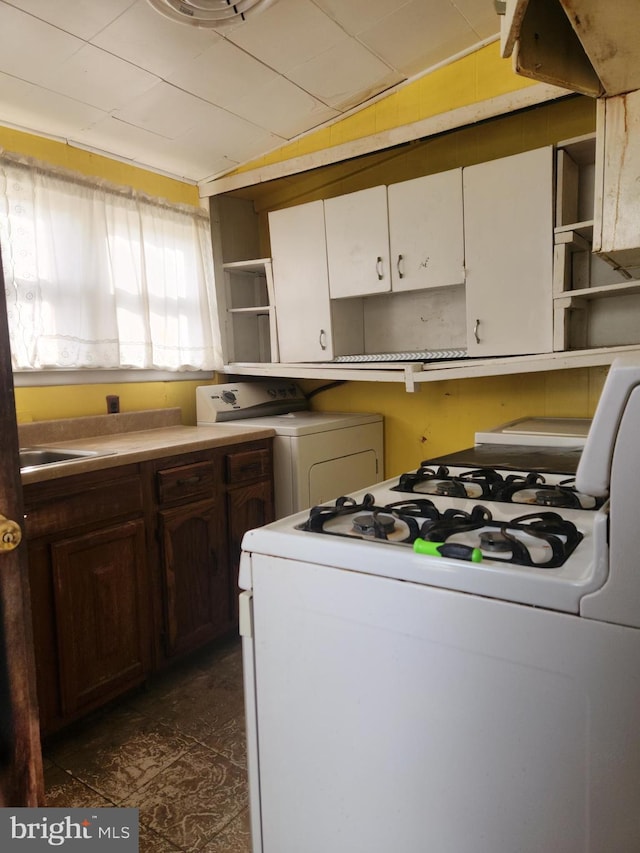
column 388, row 715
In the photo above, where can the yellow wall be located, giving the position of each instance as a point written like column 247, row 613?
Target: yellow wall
column 87, row 163
column 476, row 77
column 45, row 403
column 443, row 415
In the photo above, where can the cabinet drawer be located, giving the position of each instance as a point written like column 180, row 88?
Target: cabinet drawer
column 57, row 509
column 247, row 465
column 185, row 481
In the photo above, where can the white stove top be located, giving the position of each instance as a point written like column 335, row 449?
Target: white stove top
column 558, row 588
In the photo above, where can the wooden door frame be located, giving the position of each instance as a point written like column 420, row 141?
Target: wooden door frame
column 21, row 777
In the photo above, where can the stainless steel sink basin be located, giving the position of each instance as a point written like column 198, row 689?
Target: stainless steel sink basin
column 38, row 456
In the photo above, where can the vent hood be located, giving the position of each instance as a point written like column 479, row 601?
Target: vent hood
column 588, row 46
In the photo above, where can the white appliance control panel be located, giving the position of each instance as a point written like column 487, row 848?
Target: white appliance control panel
column 236, row 400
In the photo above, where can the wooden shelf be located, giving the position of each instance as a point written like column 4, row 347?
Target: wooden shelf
column 602, row 292
column 413, row 374
column 584, row 229
column 256, row 266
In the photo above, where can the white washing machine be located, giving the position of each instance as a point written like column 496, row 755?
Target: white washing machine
column 318, row 456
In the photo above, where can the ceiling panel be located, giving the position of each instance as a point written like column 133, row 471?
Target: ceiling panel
column 358, row 15
column 169, row 112
column 344, row 75
column 117, row 76
column 283, row 108
column 29, row 49
column 269, row 35
column 420, row 36
column 82, row 18
column 150, row 41
column 223, row 74
column 100, row 79
column 22, row 101
column 481, row 16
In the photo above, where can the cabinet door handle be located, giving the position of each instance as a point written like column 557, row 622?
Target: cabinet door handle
column 399, row 266
column 379, row 269
column 188, row 481
column 322, row 339
column 475, row 331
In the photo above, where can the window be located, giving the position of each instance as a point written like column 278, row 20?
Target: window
column 103, row 277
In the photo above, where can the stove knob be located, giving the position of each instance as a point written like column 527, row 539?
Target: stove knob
column 228, row 397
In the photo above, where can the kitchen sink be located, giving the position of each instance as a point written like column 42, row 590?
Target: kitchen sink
column 38, row 456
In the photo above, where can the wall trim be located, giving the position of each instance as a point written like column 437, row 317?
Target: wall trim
column 422, row 129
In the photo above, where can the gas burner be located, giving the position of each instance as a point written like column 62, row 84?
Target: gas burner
column 377, row 524
column 556, row 497
column 494, row 540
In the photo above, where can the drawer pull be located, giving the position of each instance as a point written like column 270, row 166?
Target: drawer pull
column 188, row 481
column 252, row 468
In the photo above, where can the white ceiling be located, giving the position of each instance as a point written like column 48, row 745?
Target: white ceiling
column 117, row 77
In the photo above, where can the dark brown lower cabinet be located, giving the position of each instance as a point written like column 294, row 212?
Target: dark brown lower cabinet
column 195, row 575
column 99, row 599
column 133, row 567
column 89, row 582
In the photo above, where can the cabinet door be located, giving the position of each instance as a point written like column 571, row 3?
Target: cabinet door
column 247, row 507
column 301, row 284
column 508, row 228
column 426, row 231
column 101, row 597
column 196, row 585
column 358, row 243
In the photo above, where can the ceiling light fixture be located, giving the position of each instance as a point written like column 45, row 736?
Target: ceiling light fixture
column 208, row 13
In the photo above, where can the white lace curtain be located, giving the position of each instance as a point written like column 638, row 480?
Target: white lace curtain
column 102, row 277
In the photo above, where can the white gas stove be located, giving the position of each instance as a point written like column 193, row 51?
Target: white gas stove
column 450, row 660
column 522, row 536
column 544, row 555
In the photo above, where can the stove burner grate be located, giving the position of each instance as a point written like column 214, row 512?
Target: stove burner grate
column 541, row 540
column 372, row 521
column 489, row 484
column 518, row 536
column 477, row 483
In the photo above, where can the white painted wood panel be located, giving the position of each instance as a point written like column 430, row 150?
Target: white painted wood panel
column 426, row 233
column 358, row 243
column 508, row 210
column 300, row 282
column 310, row 327
column 617, row 214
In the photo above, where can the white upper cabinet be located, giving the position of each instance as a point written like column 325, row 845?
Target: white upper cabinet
column 301, row 285
column 358, row 243
column 508, row 225
column 426, row 231
column 309, row 327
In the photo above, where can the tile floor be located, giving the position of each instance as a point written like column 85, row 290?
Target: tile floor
column 174, row 749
